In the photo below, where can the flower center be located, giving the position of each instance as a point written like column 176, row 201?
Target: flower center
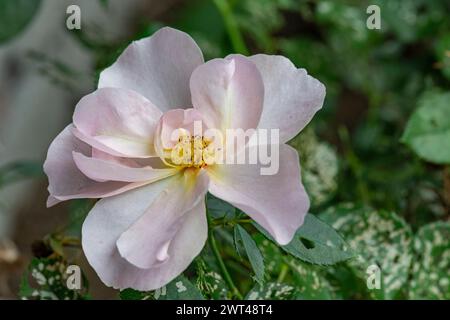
column 191, row 151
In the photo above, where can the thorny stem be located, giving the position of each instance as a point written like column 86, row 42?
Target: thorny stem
column 232, row 27
column 223, row 268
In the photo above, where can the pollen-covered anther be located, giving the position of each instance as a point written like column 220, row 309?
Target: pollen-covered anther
column 191, row 151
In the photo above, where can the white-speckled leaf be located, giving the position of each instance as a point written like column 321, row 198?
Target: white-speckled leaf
column 178, row 289
column 309, row 280
column 254, row 255
column 210, row 283
column 271, row 291
column 316, row 242
column 431, row 267
column 380, row 238
column 319, row 164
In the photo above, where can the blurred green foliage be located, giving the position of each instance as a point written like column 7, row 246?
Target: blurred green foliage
column 428, row 129
column 373, row 159
column 15, row 15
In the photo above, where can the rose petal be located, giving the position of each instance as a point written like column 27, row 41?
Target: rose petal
column 158, row 67
column 111, row 217
column 277, row 202
column 166, row 132
column 291, row 98
column 66, row 181
column 146, row 243
column 98, row 190
column 174, row 124
column 102, row 170
column 228, row 92
column 117, row 120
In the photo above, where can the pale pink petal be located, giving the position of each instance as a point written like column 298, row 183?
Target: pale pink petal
column 154, row 162
column 146, row 243
column 102, row 170
column 66, row 181
column 292, row 97
column 111, row 217
column 118, row 120
column 228, row 92
column 277, row 202
column 97, row 190
column 95, row 144
column 129, row 162
column 158, row 67
column 51, row 201
column 171, row 121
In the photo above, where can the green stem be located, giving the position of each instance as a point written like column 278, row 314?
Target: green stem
column 222, row 222
column 223, row 268
column 232, row 27
column 283, row 273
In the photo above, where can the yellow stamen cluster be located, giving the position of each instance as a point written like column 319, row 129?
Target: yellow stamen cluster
column 192, row 151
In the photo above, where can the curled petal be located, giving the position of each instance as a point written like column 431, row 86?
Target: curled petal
column 129, row 162
column 66, row 181
column 111, row 217
column 96, row 190
column 146, row 243
column 185, row 119
column 117, row 121
column 102, row 170
column 158, row 67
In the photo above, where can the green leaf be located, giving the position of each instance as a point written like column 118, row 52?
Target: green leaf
column 78, row 211
column 131, row 294
column 309, row 280
column 254, row 255
column 25, row 289
column 218, row 208
column 273, row 256
column 178, row 289
column 316, row 242
column 428, row 129
column 15, row 15
column 48, row 276
column 310, row 283
column 380, row 238
column 431, row 267
column 210, row 283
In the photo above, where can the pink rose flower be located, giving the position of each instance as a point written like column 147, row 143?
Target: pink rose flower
column 151, row 221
